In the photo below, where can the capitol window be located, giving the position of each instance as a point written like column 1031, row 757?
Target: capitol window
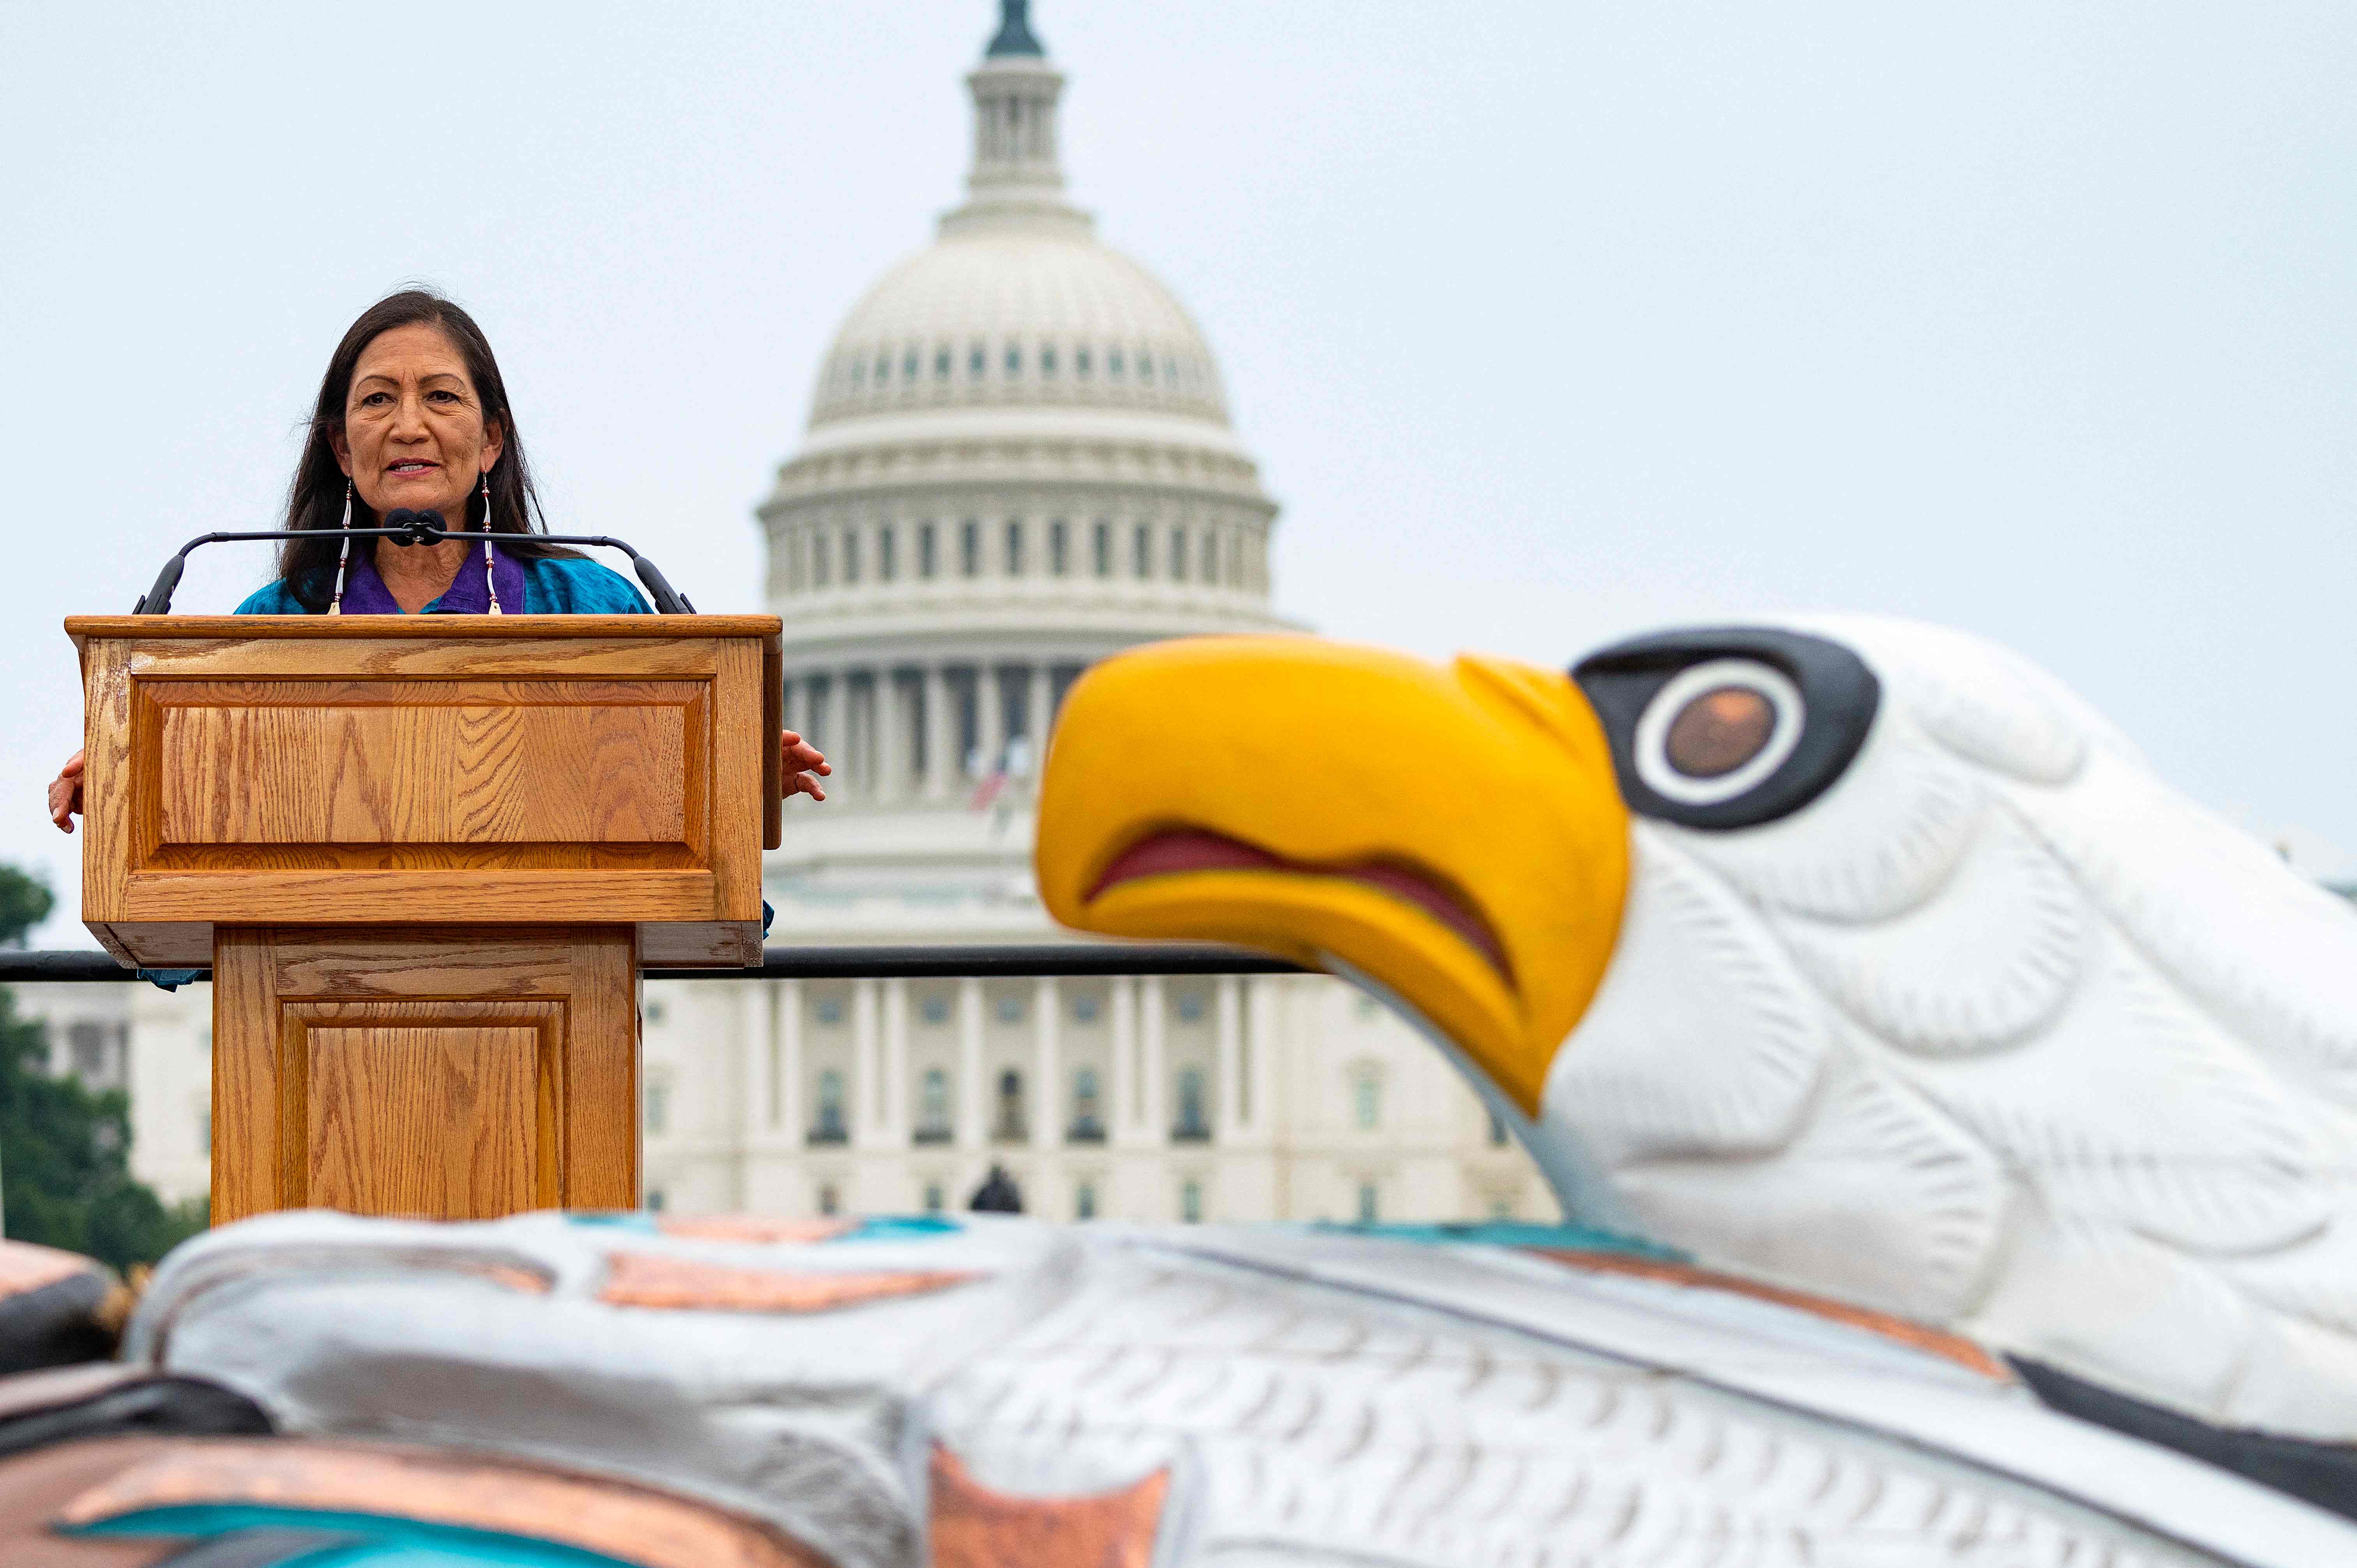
column 1190, row 1202
column 1113, row 364
column 908, row 366
column 1013, row 360
column 942, row 365
column 1145, row 368
column 934, row 1106
column 970, row 548
column 829, row 1128
column 925, row 550
column 1102, row 545
column 1193, row 1124
column 830, row 1201
column 883, row 369
column 658, row 1107
column 976, row 363
column 821, row 568
column 858, row 373
column 1080, row 361
column 1178, row 557
column 1010, row 1008
column 934, row 1201
column 1366, row 1100
column 1084, row 1201
column 887, row 566
column 934, row 1009
column 1047, row 359
column 1141, row 554
column 1010, row 1107
column 1056, row 563
column 850, row 555
column 1014, row 547
column 1368, row 1204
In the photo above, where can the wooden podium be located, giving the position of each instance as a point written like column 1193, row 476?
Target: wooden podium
column 426, row 858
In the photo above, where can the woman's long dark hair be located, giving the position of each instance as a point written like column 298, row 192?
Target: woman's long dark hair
column 316, row 499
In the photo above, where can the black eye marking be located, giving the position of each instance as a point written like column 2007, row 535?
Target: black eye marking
column 1725, row 728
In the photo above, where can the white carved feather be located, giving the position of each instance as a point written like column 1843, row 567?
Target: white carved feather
column 1311, row 1399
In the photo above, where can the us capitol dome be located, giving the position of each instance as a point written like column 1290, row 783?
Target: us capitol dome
column 1018, row 461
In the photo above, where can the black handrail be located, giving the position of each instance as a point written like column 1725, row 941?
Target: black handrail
column 1004, row 960
column 668, row 600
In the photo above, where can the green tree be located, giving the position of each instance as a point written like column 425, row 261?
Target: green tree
column 25, row 902
column 65, row 1172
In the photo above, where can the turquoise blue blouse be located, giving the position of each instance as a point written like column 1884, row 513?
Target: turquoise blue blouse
column 551, row 585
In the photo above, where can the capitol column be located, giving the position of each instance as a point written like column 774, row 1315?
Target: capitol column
column 1153, row 1060
column 990, row 717
column 896, row 1059
column 1228, row 1119
column 868, row 1089
column 1036, row 719
column 756, row 1085
column 941, row 736
column 1121, row 1117
column 972, row 1129
column 892, row 724
column 1047, row 1067
column 786, row 1087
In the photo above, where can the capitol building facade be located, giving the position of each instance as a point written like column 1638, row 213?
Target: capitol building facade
column 1018, row 461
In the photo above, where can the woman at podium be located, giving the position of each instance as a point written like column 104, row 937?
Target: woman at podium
column 412, row 413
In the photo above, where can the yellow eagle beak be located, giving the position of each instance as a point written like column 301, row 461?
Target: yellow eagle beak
column 1454, row 833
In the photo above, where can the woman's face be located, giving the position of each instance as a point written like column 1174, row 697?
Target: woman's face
column 414, row 431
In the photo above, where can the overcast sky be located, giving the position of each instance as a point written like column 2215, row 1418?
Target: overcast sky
column 1548, row 321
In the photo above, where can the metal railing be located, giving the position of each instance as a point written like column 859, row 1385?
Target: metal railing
column 944, row 961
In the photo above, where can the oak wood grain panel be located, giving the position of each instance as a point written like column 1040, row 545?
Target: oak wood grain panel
column 157, row 902
column 247, row 1093
column 406, row 897
column 710, row 944
column 749, row 753
column 108, row 843
column 327, row 1045
column 420, row 762
column 457, row 963
column 578, row 628
column 602, row 1073
column 434, row 1119
column 773, row 722
column 219, row 859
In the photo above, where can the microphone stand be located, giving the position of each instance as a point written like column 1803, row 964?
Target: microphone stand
column 421, row 528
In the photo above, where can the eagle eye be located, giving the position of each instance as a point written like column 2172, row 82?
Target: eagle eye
column 1719, row 732
column 1715, row 729
column 1725, row 727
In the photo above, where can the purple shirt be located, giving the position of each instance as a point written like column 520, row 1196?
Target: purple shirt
column 366, row 594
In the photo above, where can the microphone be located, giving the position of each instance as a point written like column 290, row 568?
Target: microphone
column 405, row 527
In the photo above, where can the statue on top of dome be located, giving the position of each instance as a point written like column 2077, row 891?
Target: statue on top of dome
column 1015, row 35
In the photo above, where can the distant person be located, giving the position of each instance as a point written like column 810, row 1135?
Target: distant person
column 997, row 1194
column 412, row 413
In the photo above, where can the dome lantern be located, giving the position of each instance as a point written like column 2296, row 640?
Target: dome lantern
column 1017, row 178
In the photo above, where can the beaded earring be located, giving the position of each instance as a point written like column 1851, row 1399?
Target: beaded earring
column 343, row 562
column 489, row 582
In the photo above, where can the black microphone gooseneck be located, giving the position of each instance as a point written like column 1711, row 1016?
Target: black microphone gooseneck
column 405, row 527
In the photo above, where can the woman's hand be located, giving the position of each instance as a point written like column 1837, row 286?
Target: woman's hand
column 803, row 767
column 65, row 793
